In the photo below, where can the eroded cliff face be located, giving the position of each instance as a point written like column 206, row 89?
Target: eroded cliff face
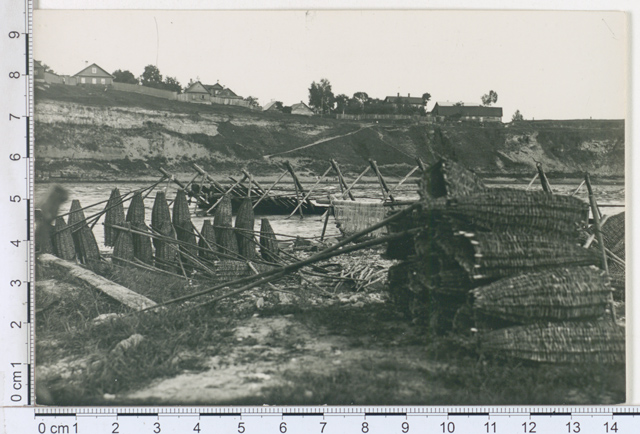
column 94, row 137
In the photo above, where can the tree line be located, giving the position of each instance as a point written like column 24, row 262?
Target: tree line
column 151, row 77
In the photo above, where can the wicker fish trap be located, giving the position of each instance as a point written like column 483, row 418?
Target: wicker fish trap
column 352, row 217
column 448, row 178
column 123, row 247
column 554, row 295
column 231, row 270
column 114, row 215
column 84, row 241
column 509, row 209
column 492, row 255
column 613, row 234
column 207, row 241
column 583, row 342
column 182, row 223
column 166, row 256
column 269, row 249
column 63, row 241
column 245, row 222
column 136, row 211
column 160, row 213
column 222, row 216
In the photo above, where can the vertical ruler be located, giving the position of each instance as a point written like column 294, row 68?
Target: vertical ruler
column 16, row 204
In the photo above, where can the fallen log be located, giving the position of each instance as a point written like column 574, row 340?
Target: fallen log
column 117, row 292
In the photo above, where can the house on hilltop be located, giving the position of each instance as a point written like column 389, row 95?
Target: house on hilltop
column 412, row 101
column 198, row 92
column 93, row 74
column 444, row 111
column 301, row 109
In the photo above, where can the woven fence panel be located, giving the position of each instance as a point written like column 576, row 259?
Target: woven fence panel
column 352, row 217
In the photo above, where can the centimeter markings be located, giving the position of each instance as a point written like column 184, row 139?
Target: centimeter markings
column 329, row 420
column 31, row 307
column 16, row 163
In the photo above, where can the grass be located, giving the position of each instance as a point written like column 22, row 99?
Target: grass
column 347, row 355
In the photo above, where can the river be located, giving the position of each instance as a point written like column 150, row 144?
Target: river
column 610, row 195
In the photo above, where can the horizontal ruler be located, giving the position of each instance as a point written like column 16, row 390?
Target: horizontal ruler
column 325, row 420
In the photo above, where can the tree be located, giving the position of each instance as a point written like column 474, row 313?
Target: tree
column 362, row 99
column 47, row 68
column 253, row 101
column 342, row 101
column 321, row 97
column 151, row 77
column 426, row 97
column 172, row 83
column 517, row 116
column 489, row 98
column 126, row 76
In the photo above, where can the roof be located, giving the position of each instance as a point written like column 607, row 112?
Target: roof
column 86, row 72
column 37, row 64
column 228, row 93
column 211, row 87
column 269, row 105
column 300, row 106
column 405, row 99
column 451, row 109
column 197, row 87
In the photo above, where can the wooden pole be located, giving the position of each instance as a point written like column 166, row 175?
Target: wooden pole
column 543, row 179
column 599, row 237
column 336, row 249
column 324, row 225
column 532, row 180
column 421, row 165
column 383, row 184
column 270, row 188
column 224, row 194
column 297, row 185
column 356, row 180
column 341, row 181
column 402, row 181
column 310, row 191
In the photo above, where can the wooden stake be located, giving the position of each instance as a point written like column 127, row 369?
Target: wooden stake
column 383, row 184
column 356, row 181
column 596, row 222
column 341, row 181
column 270, row 188
column 304, row 199
column 543, row 179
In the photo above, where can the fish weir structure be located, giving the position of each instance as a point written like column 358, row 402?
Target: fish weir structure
column 83, row 239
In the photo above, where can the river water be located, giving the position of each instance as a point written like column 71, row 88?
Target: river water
column 607, row 194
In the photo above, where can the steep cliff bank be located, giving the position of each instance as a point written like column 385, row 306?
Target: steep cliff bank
column 93, row 133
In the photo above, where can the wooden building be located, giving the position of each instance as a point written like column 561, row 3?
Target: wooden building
column 93, row 74
column 449, row 111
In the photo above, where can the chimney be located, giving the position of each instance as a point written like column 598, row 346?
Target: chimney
column 408, row 95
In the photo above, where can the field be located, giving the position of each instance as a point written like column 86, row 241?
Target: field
column 291, row 344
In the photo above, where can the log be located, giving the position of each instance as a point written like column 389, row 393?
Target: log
column 117, row 292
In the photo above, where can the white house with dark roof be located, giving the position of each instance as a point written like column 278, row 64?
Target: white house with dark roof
column 94, row 74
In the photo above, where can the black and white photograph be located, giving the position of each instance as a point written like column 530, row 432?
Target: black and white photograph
column 330, row 207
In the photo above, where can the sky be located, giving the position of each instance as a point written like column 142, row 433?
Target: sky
column 548, row 65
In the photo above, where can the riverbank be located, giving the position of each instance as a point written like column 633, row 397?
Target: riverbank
column 289, row 344
column 87, row 134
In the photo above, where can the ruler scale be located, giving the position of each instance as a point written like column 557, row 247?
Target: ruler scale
column 17, row 312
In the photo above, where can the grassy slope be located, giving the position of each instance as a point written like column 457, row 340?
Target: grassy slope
column 245, row 136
